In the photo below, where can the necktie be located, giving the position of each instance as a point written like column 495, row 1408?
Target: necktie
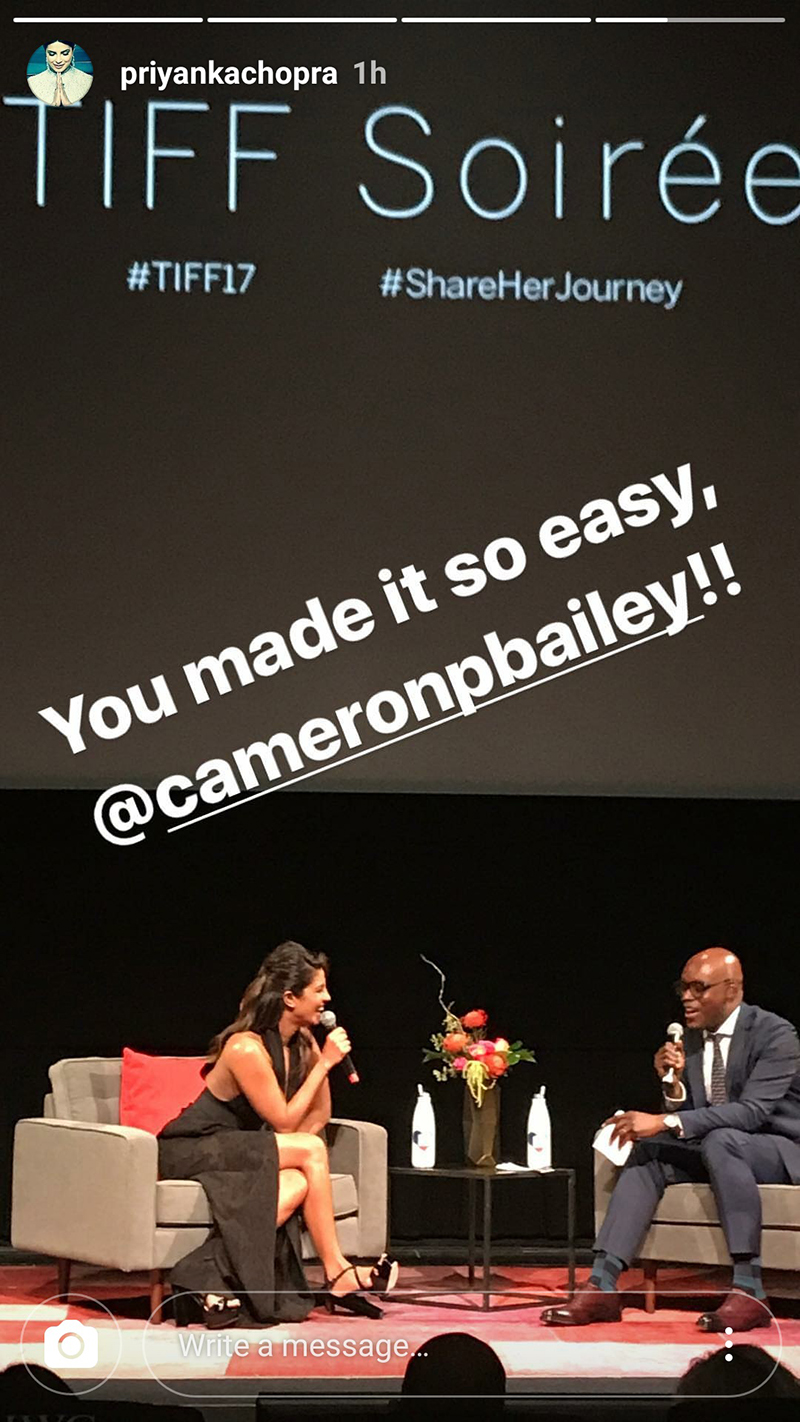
column 718, row 1093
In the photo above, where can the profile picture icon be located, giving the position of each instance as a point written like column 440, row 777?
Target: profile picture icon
column 60, row 73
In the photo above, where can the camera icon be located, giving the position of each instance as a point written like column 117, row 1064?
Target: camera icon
column 70, row 1344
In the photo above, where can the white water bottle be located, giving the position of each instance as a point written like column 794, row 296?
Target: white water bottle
column 539, row 1147
column 423, row 1133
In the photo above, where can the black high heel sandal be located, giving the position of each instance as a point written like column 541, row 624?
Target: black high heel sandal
column 191, row 1308
column 355, row 1302
column 225, row 1313
column 383, row 1275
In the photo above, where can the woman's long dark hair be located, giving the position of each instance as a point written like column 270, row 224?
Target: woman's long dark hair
column 288, row 968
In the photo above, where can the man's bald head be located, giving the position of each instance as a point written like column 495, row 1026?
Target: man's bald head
column 716, row 978
column 716, row 962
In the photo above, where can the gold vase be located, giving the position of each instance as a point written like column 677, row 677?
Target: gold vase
column 482, row 1128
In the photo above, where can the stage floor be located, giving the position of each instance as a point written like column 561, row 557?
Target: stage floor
column 646, row 1353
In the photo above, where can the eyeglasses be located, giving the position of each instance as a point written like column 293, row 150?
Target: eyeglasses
column 697, row 989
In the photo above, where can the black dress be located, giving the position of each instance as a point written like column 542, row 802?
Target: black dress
column 227, row 1147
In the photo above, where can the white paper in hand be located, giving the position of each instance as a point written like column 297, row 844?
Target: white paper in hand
column 616, row 1153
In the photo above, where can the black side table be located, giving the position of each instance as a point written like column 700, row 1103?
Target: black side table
column 474, row 1175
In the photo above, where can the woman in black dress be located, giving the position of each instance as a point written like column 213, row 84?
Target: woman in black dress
column 252, row 1139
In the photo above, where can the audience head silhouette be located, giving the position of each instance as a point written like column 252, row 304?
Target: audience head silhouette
column 751, row 1372
column 454, row 1364
column 28, row 1388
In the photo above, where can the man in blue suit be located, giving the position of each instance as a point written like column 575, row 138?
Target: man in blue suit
column 732, row 1117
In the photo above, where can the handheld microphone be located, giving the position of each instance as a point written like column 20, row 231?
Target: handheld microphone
column 327, row 1019
column 675, row 1033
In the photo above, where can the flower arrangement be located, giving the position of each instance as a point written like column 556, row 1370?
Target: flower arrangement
column 464, row 1050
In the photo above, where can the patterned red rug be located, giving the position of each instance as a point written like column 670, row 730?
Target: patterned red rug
column 114, row 1309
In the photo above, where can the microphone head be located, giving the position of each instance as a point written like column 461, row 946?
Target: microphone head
column 675, row 1031
column 327, row 1019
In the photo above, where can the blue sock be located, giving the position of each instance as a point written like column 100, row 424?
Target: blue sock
column 747, row 1275
column 605, row 1271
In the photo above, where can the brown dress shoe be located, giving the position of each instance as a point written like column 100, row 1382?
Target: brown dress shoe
column 590, row 1305
column 739, row 1312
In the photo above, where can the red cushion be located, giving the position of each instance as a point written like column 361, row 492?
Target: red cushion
column 153, row 1090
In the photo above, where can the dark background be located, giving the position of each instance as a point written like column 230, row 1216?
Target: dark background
column 184, row 471
column 567, row 919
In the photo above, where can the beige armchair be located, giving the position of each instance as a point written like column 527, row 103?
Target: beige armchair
column 686, row 1227
column 86, row 1189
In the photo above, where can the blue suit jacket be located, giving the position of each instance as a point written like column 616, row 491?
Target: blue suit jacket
column 762, row 1078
